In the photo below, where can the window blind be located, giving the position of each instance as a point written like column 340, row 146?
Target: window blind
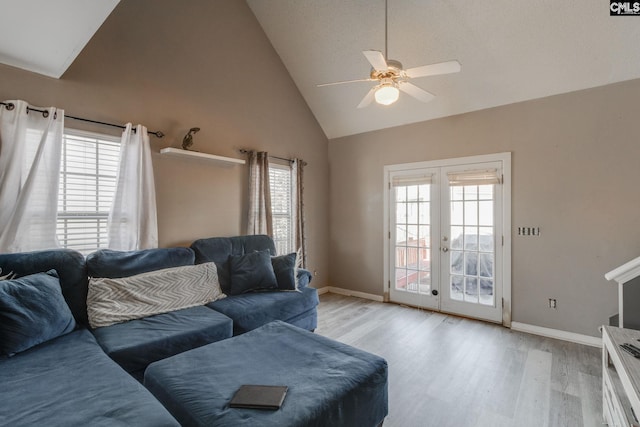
column 477, row 177
column 88, row 173
column 406, row 180
column 281, row 207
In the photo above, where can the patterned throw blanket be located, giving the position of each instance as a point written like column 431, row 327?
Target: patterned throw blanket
column 111, row 301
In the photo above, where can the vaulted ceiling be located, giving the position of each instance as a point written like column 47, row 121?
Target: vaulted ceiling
column 510, row 50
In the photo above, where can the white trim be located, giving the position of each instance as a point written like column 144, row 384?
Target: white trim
column 386, row 231
column 557, row 334
column 449, row 162
column 625, row 272
column 506, row 247
column 322, row 290
column 349, row 293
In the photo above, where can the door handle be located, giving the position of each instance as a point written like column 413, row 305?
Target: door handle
column 445, row 249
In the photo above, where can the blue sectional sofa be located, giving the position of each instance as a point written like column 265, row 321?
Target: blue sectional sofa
column 92, row 376
column 296, row 308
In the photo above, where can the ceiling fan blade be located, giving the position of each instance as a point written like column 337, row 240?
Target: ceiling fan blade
column 367, row 98
column 434, row 69
column 415, row 91
column 345, row 81
column 376, row 59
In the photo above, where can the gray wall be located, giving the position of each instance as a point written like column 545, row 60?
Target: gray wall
column 575, row 175
column 172, row 65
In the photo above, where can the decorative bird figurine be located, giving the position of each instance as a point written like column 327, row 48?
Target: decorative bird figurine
column 187, row 141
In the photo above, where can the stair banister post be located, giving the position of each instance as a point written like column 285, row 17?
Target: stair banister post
column 622, row 275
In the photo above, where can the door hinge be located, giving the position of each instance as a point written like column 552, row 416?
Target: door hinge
column 502, row 302
column 502, row 240
column 389, row 237
column 389, row 185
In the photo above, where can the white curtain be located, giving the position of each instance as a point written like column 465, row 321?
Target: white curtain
column 260, row 217
column 30, row 150
column 133, row 223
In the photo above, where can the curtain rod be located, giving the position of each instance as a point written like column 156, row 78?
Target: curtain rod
column 10, row 106
column 243, row 151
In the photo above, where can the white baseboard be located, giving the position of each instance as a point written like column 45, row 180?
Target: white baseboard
column 558, row 334
column 323, row 290
column 349, row 293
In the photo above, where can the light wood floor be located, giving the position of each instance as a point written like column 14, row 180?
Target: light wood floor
column 450, row 371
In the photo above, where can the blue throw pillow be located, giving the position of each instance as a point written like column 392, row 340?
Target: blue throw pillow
column 284, row 267
column 251, row 272
column 32, row 311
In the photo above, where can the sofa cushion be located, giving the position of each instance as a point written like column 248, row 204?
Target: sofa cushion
column 284, row 267
column 115, row 264
column 252, row 310
column 218, row 249
column 137, row 343
column 251, row 272
column 32, row 311
column 112, row 301
column 69, row 381
column 70, row 266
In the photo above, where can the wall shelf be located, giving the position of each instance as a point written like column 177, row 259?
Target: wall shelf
column 220, row 160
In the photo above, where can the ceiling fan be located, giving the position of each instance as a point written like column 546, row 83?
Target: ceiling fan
column 391, row 78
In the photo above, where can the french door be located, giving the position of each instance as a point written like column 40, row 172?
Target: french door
column 446, row 235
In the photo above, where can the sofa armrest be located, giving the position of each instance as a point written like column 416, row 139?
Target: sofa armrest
column 304, row 278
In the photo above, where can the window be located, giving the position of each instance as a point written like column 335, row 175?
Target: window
column 88, row 173
column 282, row 207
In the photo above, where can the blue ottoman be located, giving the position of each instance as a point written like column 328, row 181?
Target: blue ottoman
column 330, row 383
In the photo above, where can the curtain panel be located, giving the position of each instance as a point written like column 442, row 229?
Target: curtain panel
column 30, row 150
column 133, row 222
column 299, row 237
column 260, row 219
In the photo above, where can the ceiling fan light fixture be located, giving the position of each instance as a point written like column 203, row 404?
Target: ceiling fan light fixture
column 387, row 94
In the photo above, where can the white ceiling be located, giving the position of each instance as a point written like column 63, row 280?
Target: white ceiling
column 510, row 51
column 45, row 36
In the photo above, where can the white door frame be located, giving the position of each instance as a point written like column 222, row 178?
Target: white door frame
column 505, row 158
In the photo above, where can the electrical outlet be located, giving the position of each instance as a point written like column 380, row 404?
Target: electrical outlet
column 315, row 273
column 552, row 303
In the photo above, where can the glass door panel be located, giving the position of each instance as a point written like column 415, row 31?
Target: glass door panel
column 412, row 230
column 471, row 246
column 469, row 243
